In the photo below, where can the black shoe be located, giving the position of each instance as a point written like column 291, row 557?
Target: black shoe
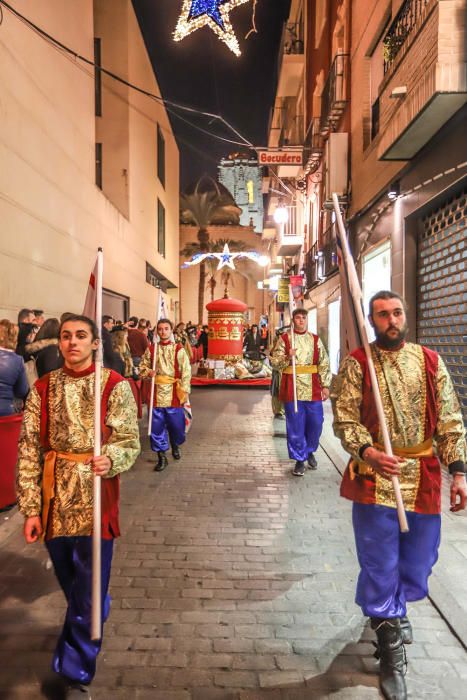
column 176, row 454
column 393, row 662
column 312, row 463
column 299, row 469
column 406, row 630
column 76, row 691
column 162, row 462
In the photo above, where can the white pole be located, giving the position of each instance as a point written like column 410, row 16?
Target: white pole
column 96, row 620
column 356, row 294
column 153, row 379
column 294, row 361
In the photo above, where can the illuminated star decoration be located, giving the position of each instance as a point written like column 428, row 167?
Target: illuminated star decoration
column 226, row 258
column 213, row 13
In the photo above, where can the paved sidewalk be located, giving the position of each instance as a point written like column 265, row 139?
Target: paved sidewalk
column 234, row 580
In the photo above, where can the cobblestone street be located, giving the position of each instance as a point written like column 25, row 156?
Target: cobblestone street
column 233, row 580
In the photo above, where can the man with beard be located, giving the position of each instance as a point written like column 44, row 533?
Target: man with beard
column 420, row 406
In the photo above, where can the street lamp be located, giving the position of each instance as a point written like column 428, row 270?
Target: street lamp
column 281, row 214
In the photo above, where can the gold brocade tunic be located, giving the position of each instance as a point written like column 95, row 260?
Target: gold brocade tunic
column 304, row 345
column 165, row 366
column 402, row 380
column 71, row 429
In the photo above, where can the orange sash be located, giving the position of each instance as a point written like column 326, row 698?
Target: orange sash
column 48, row 479
column 361, row 468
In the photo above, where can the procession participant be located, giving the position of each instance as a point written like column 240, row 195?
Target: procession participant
column 55, row 484
column 172, row 387
column 420, row 406
column 313, row 377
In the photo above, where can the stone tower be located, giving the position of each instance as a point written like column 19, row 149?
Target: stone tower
column 241, row 175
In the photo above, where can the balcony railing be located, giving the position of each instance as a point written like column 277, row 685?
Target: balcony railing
column 321, row 259
column 313, row 146
column 293, row 39
column 334, row 96
column 403, row 24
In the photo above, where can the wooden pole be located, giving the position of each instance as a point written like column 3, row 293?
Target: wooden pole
column 294, row 362
column 356, row 294
column 96, row 619
column 153, row 379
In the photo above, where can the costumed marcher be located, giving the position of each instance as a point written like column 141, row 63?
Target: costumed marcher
column 421, row 407
column 171, row 391
column 313, row 380
column 55, row 484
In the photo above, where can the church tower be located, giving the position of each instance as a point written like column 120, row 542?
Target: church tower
column 241, row 174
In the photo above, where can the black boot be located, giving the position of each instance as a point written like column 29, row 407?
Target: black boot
column 312, row 463
column 392, row 658
column 406, row 630
column 162, row 462
column 176, row 454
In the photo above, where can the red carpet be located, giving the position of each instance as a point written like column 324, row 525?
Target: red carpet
column 203, row 381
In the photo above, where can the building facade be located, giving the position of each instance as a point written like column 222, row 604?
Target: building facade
column 384, row 97
column 86, row 162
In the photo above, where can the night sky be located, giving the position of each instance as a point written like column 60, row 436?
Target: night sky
column 201, row 72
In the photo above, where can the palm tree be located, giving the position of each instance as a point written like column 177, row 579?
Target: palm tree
column 203, row 208
column 216, row 246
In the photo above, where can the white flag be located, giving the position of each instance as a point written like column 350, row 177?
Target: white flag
column 91, row 296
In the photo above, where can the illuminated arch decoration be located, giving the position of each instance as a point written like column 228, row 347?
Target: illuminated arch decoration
column 226, row 258
column 212, row 13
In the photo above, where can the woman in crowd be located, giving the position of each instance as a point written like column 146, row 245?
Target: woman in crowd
column 44, row 348
column 181, row 336
column 26, row 334
column 120, row 345
column 13, row 381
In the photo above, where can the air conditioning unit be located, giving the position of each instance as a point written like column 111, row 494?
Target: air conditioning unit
column 336, row 166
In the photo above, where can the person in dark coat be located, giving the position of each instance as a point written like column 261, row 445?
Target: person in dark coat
column 44, row 349
column 253, row 342
column 203, row 341
column 13, row 381
column 112, row 359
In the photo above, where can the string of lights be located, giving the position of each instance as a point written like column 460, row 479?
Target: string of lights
column 169, row 105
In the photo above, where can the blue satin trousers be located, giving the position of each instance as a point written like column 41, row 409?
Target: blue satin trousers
column 303, row 428
column 76, row 654
column 167, row 424
column 395, row 566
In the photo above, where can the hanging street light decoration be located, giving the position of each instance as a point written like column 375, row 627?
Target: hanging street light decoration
column 226, row 258
column 213, row 13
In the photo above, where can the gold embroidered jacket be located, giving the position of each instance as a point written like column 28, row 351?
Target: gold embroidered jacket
column 310, row 353
column 420, row 407
column 66, row 409
column 171, row 361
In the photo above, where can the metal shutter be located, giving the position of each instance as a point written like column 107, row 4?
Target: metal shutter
column 442, row 287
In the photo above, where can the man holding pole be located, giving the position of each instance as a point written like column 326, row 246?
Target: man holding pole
column 56, row 468
column 168, row 364
column 312, row 380
column 420, row 407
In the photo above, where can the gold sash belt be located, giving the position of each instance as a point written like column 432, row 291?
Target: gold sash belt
column 163, row 380
column 48, row 479
column 361, row 468
column 302, row 369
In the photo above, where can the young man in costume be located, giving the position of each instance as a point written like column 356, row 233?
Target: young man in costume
column 420, row 406
column 313, row 379
column 172, row 387
column 55, row 489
